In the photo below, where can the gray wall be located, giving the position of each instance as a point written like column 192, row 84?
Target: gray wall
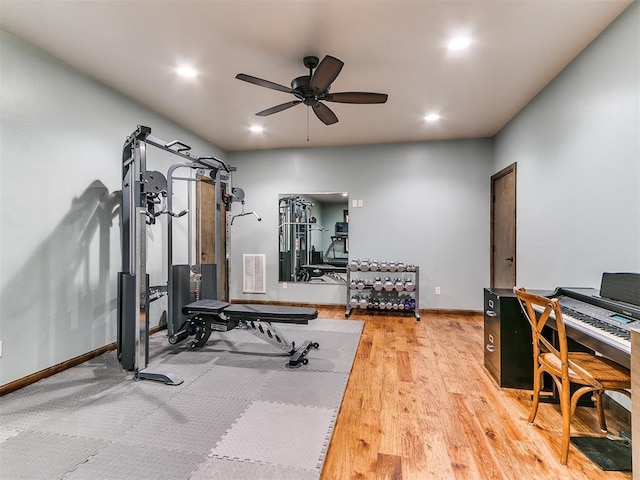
column 424, row 203
column 60, row 163
column 577, row 145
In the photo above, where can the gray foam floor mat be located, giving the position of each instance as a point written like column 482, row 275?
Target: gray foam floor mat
column 241, row 413
column 119, row 462
column 40, row 456
column 225, row 469
column 278, row 434
column 300, row 387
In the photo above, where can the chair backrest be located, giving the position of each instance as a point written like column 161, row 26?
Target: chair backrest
column 538, row 319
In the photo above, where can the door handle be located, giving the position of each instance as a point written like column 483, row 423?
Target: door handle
column 510, row 259
column 491, row 348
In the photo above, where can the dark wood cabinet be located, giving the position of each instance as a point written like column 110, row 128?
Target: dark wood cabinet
column 508, row 354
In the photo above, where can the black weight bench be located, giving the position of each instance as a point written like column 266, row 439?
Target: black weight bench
column 207, row 316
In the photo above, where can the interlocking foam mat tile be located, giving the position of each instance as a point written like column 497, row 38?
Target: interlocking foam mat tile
column 241, row 413
column 278, row 434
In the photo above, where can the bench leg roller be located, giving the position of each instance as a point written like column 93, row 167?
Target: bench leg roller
column 299, row 356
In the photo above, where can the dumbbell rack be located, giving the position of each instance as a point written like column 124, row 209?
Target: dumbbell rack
column 365, row 290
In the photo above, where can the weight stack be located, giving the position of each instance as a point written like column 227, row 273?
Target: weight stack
column 209, row 281
column 180, row 293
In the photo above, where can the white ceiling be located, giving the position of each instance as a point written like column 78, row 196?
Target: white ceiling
column 396, row 47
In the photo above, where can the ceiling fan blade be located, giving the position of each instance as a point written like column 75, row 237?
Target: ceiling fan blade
column 325, row 114
column 278, row 108
column 326, row 73
column 263, row 83
column 356, row 97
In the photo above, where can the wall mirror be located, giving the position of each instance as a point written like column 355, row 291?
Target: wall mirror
column 313, row 231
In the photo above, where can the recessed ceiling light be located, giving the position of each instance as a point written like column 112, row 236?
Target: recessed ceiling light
column 459, row 43
column 186, row 72
column 256, row 128
column 432, row 117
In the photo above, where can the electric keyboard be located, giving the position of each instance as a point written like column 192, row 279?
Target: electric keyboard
column 602, row 324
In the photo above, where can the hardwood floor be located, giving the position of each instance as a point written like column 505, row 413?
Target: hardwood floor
column 420, row 405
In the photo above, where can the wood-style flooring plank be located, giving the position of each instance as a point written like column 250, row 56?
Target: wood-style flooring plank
column 420, row 405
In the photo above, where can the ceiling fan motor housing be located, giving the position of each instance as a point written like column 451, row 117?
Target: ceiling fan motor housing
column 302, row 90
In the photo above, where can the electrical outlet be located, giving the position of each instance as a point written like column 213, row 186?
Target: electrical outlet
column 437, row 290
column 360, row 204
column 285, row 285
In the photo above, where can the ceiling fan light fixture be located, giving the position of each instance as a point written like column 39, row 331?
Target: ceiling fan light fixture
column 432, row 117
column 256, row 129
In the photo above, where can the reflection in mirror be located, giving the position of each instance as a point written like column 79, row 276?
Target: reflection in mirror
column 314, row 237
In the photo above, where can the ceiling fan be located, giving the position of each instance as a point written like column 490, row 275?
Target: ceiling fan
column 313, row 89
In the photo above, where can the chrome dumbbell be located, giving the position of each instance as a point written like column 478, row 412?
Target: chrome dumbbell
column 364, row 265
column 409, row 286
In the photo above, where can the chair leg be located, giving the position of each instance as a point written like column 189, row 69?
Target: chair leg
column 537, row 381
column 600, row 410
column 565, row 408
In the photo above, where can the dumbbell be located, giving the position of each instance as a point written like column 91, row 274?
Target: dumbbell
column 354, row 264
column 364, row 265
column 384, row 266
column 400, row 267
column 409, row 286
column 373, row 266
column 363, row 302
column 399, row 285
column 353, row 302
column 377, row 284
column 352, row 285
column 388, row 284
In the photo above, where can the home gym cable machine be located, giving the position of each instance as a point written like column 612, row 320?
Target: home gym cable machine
column 144, row 190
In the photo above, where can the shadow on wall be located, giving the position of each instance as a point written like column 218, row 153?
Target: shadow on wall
column 63, row 299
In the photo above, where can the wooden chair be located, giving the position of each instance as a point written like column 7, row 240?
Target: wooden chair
column 591, row 373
